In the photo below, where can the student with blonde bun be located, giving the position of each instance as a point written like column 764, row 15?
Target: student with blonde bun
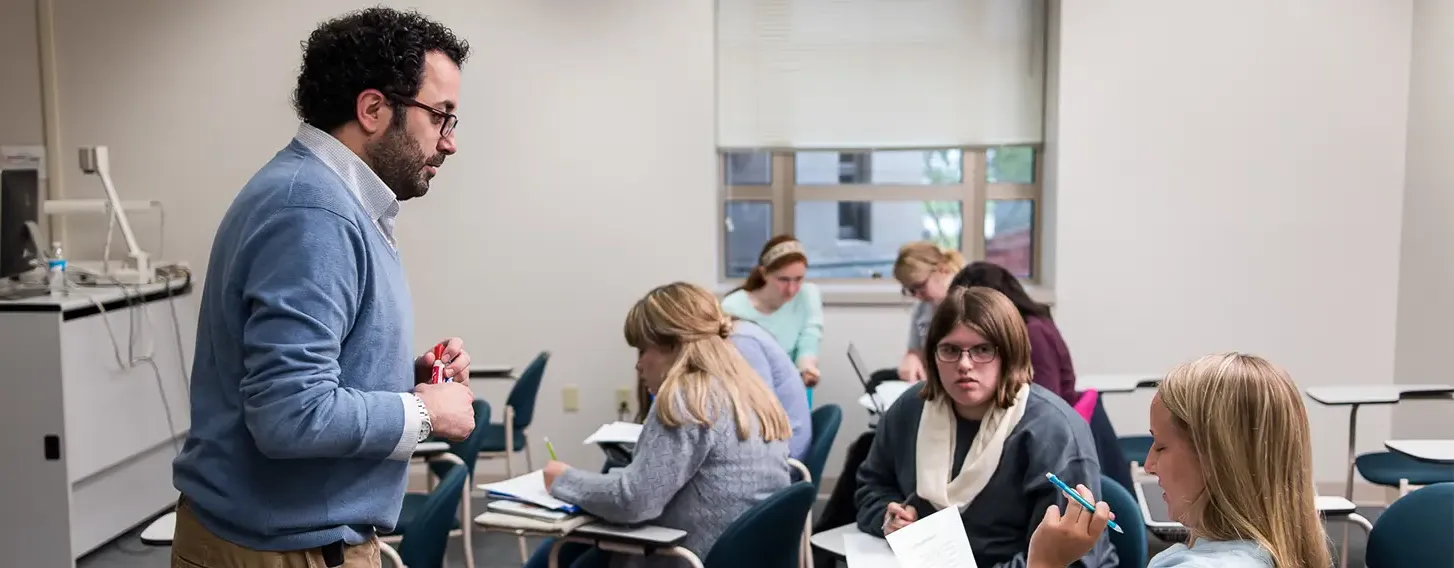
column 1233, row 456
column 715, row 441
column 776, row 298
column 925, row 270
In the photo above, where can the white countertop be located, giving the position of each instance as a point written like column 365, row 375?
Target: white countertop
column 83, row 296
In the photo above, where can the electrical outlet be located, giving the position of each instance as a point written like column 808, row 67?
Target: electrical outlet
column 623, row 399
column 570, row 397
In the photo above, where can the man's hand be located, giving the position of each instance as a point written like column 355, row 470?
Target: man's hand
column 898, row 516
column 451, row 409
column 457, row 362
column 553, row 470
column 911, row 368
column 1062, row 539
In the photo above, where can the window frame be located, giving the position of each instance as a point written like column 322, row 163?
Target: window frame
column 973, row 192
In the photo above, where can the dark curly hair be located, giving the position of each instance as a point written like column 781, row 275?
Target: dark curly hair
column 374, row 48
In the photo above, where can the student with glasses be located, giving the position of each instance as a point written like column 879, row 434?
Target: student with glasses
column 978, row 435
column 924, row 269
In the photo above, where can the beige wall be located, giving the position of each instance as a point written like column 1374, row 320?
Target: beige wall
column 1250, row 156
column 1426, row 269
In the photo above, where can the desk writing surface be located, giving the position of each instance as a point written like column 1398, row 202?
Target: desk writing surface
column 1343, row 395
column 1433, row 451
column 831, row 540
column 1158, row 516
column 1112, row 383
column 645, row 534
column 886, row 393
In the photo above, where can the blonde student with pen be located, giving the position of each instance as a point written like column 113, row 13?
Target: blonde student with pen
column 1248, row 505
column 978, row 435
column 715, row 441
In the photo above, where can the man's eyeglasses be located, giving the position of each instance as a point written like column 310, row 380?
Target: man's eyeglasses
column 448, row 119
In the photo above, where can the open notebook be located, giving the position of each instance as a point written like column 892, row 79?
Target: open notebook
column 615, row 433
column 528, row 488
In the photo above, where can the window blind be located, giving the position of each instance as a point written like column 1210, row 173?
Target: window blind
column 879, row 73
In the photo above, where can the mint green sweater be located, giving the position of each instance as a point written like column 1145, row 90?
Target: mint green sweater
column 797, row 325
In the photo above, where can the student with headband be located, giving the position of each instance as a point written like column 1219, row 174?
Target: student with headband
column 924, row 270
column 776, row 298
column 1247, row 504
column 979, row 436
column 714, row 443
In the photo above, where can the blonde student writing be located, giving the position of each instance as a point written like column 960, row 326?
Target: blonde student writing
column 1202, row 417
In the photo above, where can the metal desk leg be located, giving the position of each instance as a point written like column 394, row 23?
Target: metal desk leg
column 1361, row 521
column 684, row 554
column 555, row 552
column 1348, row 488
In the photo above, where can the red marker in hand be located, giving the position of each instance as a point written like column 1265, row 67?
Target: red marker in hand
column 436, row 373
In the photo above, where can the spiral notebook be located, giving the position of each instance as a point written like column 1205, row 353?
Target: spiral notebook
column 528, row 488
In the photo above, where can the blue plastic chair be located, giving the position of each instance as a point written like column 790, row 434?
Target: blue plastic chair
column 826, row 421
column 426, row 535
column 760, row 538
column 508, row 437
column 1399, row 471
column 1135, row 449
column 1130, row 547
column 467, row 451
column 1415, row 531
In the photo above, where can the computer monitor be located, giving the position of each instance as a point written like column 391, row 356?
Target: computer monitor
column 19, row 204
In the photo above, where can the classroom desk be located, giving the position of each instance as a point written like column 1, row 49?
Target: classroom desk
column 96, row 410
column 637, row 540
column 884, row 395
column 1158, row 516
column 1117, row 383
column 831, row 540
column 492, row 372
column 1355, row 396
column 1433, row 451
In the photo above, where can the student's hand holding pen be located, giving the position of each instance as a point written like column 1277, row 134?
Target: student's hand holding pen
column 898, row 516
column 1062, row 538
column 553, row 469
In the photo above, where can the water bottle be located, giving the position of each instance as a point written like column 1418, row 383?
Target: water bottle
column 56, row 272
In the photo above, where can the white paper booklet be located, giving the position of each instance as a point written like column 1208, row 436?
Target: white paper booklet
column 868, row 551
column 615, row 433
column 935, row 541
column 529, row 488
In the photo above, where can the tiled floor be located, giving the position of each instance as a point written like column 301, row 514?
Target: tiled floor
column 499, row 551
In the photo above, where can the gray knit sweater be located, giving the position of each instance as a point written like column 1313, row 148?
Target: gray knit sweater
column 695, row 478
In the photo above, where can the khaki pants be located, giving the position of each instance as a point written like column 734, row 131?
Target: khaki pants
column 193, row 546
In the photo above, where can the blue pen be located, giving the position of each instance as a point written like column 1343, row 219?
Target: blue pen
column 1073, row 495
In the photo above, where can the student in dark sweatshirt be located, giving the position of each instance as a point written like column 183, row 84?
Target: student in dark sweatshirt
column 979, row 436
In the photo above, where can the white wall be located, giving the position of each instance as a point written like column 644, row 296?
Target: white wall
column 1219, row 165
column 1426, row 269
column 1223, row 168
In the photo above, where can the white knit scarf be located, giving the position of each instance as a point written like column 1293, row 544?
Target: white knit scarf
column 934, row 451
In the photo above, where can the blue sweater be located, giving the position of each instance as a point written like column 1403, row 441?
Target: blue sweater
column 766, row 357
column 299, row 429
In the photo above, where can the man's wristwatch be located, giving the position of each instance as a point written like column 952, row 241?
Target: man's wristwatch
column 425, row 427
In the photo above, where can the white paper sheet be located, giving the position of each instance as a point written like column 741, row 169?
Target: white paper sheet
column 529, row 488
column 868, row 551
column 935, row 541
column 615, row 433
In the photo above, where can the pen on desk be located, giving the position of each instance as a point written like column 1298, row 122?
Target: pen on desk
column 436, row 373
column 551, row 449
column 1073, row 495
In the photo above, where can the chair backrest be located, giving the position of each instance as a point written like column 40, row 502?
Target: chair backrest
column 427, row 535
column 769, row 535
column 1130, row 546
column 1085, row 406
column 1415, row 530
column 826, row 420
column 468, row 450
column 522, row 395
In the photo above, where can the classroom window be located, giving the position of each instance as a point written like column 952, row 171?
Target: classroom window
column 860, row 125
column 852, row 229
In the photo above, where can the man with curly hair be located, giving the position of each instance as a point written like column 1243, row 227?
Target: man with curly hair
column 307, row 402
